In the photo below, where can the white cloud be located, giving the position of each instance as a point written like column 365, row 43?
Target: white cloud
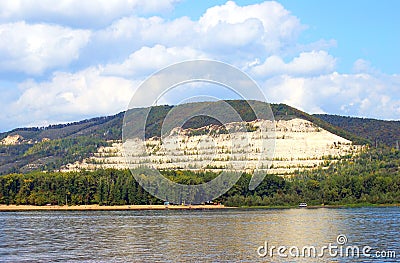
column 346, row 94
column 129, row 34
column 307, row 63
column 228, row 32
column 292, row 91
column 279, row 26
column 147, row 60
column 85, row 93
column 226, row 37
column 77, row 12
column 33, row 49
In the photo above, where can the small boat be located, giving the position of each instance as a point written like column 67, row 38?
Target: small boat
column 303, row 205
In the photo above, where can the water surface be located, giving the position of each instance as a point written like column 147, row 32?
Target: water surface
column 232, row 235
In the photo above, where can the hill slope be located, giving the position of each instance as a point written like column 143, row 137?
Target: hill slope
column 51, row 147
column 377, row 131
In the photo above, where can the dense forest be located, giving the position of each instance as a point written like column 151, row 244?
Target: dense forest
column 371, row 178
column 379, row 132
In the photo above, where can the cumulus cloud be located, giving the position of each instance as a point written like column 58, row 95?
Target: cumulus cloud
column 279, row 26
column 150, row 59
column 228, row 38
column 346, row 94
column 129, row 34
column 228, row 32
column 68, row 95
column 32, row 49
column 307, row 63
column 78, row 13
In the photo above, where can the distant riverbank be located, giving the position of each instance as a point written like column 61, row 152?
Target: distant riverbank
column 322, row 206
column 98, row 207
column 4, row 207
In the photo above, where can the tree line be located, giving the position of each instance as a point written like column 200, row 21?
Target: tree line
column 372, row 177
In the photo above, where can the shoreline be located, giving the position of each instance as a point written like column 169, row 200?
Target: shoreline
column 322, row 206
column 4, row 208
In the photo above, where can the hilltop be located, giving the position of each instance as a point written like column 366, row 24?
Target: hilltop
column 52, row 147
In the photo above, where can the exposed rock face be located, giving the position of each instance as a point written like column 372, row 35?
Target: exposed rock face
column 299, row 144
column 12, row 140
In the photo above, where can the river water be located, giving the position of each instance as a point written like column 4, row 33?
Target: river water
column 228, row 235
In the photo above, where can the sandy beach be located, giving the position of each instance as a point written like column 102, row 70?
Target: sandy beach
column 98, row 207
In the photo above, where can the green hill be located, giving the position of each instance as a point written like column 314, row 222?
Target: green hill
column 48, row 148
column 379, row 132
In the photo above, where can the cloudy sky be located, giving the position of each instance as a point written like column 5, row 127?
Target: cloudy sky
column 67, row 60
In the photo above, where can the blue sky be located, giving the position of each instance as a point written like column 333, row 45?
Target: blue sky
column 366, row 29
column 362, row 29
column 68, row 60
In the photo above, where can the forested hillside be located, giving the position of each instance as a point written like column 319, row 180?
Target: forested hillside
column 109, row 128
column 371, row 178
column 48, row 148
column 379, row 132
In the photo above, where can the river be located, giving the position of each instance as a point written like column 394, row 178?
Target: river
column 226, row 235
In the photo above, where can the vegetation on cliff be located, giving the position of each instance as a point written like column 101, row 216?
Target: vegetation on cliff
column 373, row 177
column 27, row 156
